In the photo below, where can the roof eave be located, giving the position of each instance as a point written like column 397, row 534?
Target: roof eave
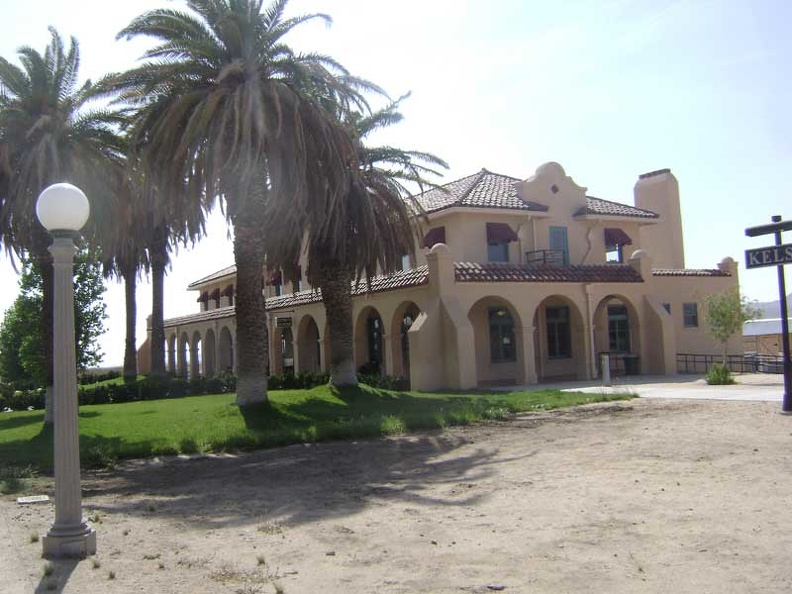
column 455, row 208
column 619, row 218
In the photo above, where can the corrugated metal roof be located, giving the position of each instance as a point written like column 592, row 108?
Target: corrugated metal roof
column 762, row 327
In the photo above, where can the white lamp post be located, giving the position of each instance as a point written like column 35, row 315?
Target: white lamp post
column 63, row 209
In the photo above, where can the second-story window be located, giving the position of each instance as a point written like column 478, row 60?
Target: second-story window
column 560, row 243
column 405, row 262
column 276, row 282
column 615, row 240
column 497, row 252
column 203, row 299
column 297, row 283
column 499, row 236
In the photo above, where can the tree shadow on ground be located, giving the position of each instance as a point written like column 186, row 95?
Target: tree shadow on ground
column 300, row 483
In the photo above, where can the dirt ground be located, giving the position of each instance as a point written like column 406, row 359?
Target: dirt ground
column 639, row 496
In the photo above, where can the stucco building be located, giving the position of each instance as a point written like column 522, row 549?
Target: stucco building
column 515, row 281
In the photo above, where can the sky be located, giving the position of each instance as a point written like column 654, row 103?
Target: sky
column 609, row 89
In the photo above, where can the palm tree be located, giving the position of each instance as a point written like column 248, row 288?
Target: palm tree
column 228, row 110
column 48, row 134
column 376, row 219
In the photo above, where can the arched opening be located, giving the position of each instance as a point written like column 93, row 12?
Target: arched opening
column 369, row 341
column 209, row 354
column 184, row 355
column 497, row 331
column 225, row 352
column 308, row 346
column 616, row 332
column 402, row 321
column 171, row 351
column 287, row 350
column 559, row 340
column 196, row 355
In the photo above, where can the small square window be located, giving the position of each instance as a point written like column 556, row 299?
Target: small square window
column 667, row 307
column 690, row 315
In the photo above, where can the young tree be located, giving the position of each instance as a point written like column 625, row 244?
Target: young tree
column 725, row 314
column 22, row 360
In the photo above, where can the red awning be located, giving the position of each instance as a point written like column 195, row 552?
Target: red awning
column 436, row 235
column 203, row 298
column 614, row 236
column 275, row 278
column 228, row 291
column 500, row 233
column 215, row 294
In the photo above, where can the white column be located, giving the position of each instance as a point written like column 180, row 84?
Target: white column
column 70, row 535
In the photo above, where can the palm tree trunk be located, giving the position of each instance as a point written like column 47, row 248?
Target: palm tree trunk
column 129, row 274
column 336, row 284
column 159, row 260
column 252, row 346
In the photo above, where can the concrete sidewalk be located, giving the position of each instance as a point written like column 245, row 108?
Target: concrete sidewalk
column 749, row 387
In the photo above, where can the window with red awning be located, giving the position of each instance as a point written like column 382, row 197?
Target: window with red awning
column 434, row 236
column 500, row 233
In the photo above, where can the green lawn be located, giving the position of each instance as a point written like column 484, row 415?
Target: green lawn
column 109, row 432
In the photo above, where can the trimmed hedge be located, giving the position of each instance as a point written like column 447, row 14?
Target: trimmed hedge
column 154, row 388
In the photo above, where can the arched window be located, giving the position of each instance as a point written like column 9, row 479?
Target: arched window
column 501, row 331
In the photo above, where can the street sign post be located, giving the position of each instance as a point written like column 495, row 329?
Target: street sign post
column 776, row 255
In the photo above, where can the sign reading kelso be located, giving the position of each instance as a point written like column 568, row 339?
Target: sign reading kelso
column 769, row 256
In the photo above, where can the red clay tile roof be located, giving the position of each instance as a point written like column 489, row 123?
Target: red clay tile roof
column 204, row 316
column 521, row 273
column 480, row 190
column 598, row 206
column 389, row 282
column 689, row 272
column 227, row 271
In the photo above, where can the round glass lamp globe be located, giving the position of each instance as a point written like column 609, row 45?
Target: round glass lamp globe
column 62, row 207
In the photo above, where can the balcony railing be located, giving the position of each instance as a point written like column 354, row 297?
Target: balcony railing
column 545, row 257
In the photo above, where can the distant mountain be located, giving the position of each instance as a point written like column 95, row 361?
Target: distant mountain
column 772, row 309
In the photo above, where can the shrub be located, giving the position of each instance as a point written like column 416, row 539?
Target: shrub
column 384, row 382
column 719, row 375
column 23, row 399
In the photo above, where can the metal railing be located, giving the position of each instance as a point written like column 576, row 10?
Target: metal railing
column 747, row 363
column 538, row 257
